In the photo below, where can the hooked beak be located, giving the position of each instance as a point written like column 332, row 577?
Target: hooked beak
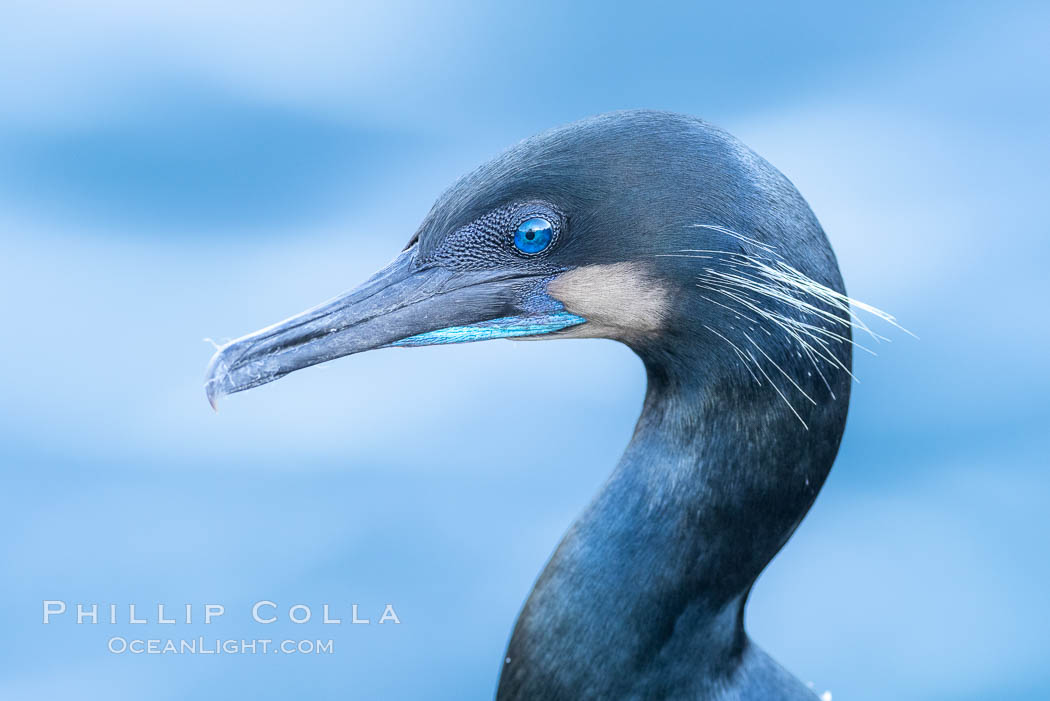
column 401, row 305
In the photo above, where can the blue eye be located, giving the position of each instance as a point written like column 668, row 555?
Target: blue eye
column 533, row 235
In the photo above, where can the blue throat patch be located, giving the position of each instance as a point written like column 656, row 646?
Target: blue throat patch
column 505, row 327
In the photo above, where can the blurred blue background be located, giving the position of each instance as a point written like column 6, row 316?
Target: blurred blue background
column 172, row 171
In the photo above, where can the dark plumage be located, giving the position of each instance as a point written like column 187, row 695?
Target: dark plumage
column 674, row 238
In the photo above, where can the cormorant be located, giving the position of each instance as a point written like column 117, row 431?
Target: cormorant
column 667, row 234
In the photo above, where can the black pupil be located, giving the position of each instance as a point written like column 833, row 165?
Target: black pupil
column 530, row 235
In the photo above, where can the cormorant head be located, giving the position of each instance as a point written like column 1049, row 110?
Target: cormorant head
column 654, row 229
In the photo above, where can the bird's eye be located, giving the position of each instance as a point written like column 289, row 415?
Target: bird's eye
column 533, row 236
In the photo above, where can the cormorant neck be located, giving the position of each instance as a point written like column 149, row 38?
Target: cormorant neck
column 647, row 589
